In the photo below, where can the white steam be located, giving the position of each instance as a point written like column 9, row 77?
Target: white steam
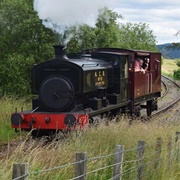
column 59, row 14
column 69, row 12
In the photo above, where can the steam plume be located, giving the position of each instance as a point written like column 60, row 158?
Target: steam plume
column 69, row 12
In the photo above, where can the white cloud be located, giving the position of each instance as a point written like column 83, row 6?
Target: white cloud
column 162, row 16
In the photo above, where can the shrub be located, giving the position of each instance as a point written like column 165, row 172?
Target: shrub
column 177, row 74
column 178, row 63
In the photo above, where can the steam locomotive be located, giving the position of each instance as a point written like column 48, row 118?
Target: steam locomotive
column 71, row 92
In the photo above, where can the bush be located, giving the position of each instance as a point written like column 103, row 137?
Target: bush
column 177, row 74
column 178, row 63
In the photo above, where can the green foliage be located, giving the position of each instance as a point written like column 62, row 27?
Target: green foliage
column 107, row 29
column 137, row 36
column 15, row 74
column 82, row 37
column 23, row 42
column 109, row 33
column 177, row 74
column 178, row 63
column 104, row 34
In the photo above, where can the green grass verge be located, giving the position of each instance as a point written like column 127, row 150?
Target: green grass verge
column 7, row 107
column 100, row 141
column 168, row 67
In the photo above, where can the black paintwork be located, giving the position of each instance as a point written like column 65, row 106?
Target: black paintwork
column 97, row 80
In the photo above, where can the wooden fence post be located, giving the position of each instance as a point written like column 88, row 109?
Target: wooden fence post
column 118, row 159
column 140, row 159
column 177, row 139
column 20, row 170
column 158, row 152
column 169, row 149
column 80, row 167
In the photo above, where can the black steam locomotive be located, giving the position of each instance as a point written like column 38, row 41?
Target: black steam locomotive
column 71, row 92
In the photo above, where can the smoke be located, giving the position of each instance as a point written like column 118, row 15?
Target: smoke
column 57, row 14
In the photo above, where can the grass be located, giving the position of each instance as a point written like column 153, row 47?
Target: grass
column 98, row 141
column 169, row 66
column 7, row 106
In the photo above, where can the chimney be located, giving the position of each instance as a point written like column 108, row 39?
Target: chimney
column 60, row 51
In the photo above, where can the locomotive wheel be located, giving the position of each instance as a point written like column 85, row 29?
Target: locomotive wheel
column 95, row 121
column 137, row 110
column 149, row 108
column 137, row 113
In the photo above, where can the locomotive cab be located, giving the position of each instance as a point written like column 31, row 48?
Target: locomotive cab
column 120, row 75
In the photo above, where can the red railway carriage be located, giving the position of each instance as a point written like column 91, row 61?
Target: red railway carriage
column 70, row 93
column 144, row 85
column 146, row 82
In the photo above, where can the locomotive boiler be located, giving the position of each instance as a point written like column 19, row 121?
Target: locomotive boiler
column 71, row 92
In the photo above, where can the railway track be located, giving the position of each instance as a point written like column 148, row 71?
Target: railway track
column 170, row 95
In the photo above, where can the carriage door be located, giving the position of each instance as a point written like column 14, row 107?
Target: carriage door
column 124, row 93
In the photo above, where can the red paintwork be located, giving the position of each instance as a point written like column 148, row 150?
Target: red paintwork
column 56, row 121
column 142, row 84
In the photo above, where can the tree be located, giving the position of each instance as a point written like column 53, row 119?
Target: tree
column 24, row 41
column 107, row 28
column 174, row 45
column 81, row 37
column 104, row 34
column 178, row 63
column 137, row 36
column 109, row 33
column 176, row 74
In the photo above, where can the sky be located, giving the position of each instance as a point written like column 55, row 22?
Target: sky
column 162, row 16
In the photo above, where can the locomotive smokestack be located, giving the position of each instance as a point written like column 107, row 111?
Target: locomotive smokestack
column 60, row 51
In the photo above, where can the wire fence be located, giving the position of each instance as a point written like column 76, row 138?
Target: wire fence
column 119, row 166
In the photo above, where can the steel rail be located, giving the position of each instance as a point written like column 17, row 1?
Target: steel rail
column 166, row 92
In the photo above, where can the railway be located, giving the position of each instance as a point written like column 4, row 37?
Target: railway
column 170, row 96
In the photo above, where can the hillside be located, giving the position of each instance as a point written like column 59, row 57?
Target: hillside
column 167, row 53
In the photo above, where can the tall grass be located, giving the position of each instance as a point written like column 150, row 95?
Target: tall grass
column 97, row 141
column 7, row 107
